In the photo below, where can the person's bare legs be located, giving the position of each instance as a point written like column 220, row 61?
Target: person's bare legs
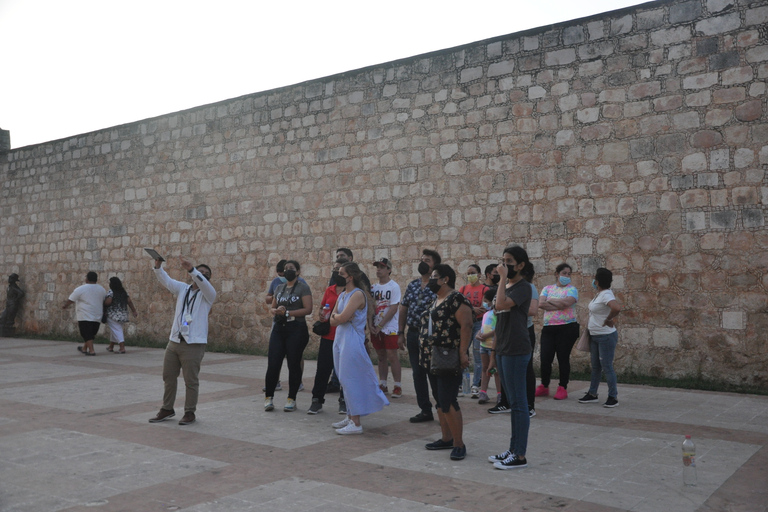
column 394, row 362
column 383, row 356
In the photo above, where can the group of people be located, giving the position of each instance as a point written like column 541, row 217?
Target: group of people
column 435, row 323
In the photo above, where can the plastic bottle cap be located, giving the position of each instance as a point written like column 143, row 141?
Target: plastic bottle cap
column 687, row 437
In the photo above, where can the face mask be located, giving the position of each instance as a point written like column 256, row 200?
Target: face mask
column 337, row 279
column 486, row 305
column 471, row 278
column 495, row 279
column 424, row 268
column 565, row 281
column 290, row 275
column 433, row 286
column 511, row 273
column 594, row 284
column 282, row 279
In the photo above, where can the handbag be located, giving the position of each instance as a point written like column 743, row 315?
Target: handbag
column 321, row 328
column 443, row 361
column 583, row 343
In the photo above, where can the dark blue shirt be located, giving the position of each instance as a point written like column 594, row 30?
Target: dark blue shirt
column 417, row 299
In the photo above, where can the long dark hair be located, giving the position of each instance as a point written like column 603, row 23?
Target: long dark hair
column 521, row 256
column 360, row 280
column 119, row 295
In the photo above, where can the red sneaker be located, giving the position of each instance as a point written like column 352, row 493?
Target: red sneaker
column 561, row 393
column 397, row 392
column 541, row 390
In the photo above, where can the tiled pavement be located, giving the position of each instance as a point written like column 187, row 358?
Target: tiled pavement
column 74, row 436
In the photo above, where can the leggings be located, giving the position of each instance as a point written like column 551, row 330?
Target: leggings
column 287, row 341
column 557, row 340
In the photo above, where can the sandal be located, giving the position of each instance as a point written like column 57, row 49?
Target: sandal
column 90, row 353
column 120, row 352
column 110, row 349
column 80, row 349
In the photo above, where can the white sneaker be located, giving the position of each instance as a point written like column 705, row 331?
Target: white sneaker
column 474, row 392
column 343, row 423
column 290, row 405
column 350, row 429
column 268, row 405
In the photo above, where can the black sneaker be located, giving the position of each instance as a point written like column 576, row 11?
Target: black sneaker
column 342, row 406
column 316, row 406
column 611, row 402
column 512, row 462
column 439, row 445
column 459, row 452
column 500, row 457
column 499, row 409
column 588, row 399
column 422, row 417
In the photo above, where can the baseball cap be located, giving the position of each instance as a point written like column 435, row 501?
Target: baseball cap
column 384, row 262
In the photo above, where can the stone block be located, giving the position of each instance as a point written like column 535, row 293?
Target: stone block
column 621, row 25
column 752, row 218
column 703, row 81
column 666, row 337
column 695, row 221
column 694, row 162
column 706, row 139
column 644, row 90
column 471, row 74
column 757, row 16
column 707, row 179
column 744, row 195
column 582, row 246
column 734, row 320
column 666, row 103
column 729, row 95
column 698, row 99
column 749, row 111
column 596, row 30
column 707, row 46
column 668, row 36
column 675, row 143
column 559, row 57
column 505, row 67
column 724, row 60
column 723, row 219
column 636, row 336
column 757, row 54
column 573, row 35
column 694, row 198
column 686, row 121
column 588, row 115
column 719, row 24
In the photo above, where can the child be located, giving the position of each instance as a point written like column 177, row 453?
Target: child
column 486, row 345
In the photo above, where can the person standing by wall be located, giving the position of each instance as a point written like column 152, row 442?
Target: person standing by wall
column 89, row 300
column 12, row 303
column 603, row 338
column 386, row 293
column 415, row 302
column 189, row 336
column 474, row 291
column 117, row 304
column 560, row 330
column 353, row 312
column 513, row 351
column 290, row 335
column 325, row 351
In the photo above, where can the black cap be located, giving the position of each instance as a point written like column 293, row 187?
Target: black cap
column 384, row 262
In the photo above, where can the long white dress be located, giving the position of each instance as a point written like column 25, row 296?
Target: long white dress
column 353, row 365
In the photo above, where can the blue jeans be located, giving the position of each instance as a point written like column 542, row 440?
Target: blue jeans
column 602, row 348
column 478, row 369
column 513, row 372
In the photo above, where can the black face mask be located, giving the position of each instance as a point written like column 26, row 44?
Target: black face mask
column 495, row 279
column 290, row 275
column 511, row 273
column 337, row 279
column 433, row 286
column 424, row 268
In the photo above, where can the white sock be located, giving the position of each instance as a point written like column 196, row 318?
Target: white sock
column 397, row 384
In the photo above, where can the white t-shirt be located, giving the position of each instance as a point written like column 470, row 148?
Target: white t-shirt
column 599, row 311
column 89, row 302
column 386, row 295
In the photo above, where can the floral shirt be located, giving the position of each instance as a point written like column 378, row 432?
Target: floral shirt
column 560, row 316
column 446, row 331
column 417, row 299
column 118, row 310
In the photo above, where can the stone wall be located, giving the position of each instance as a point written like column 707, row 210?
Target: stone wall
column 635, row 140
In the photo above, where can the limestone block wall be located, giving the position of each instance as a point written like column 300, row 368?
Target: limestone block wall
column 635, row 140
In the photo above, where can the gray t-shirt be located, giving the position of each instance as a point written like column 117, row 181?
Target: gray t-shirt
column 512, row 324
column 290, row 296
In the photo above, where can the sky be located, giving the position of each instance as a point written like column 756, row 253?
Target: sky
column 76, row 66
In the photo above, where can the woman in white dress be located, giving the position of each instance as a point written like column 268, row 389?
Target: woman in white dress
column 352, row 313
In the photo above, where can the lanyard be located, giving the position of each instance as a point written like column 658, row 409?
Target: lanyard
column 189, row 303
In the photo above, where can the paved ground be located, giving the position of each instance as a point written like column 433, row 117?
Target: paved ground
column 74, row 436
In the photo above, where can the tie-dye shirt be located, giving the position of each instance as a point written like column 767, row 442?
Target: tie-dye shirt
column 560, row 316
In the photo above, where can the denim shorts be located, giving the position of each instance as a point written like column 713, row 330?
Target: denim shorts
column 487, row 351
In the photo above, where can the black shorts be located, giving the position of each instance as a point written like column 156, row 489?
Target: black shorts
column 88, row 330
column 445, row 391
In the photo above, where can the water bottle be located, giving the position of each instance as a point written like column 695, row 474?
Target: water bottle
column 326, row 312
column 465, row 383
column 689, row 461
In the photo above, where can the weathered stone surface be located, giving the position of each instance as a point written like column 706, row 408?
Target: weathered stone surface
column 749, row 111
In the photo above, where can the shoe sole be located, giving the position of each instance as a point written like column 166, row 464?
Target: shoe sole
column 435, row 448
column 501, row 466
column 352, row 433
column 289, row 409
column 588, row 401
column 155, row 420
column 610, row 406
column 269, row 408
column 313, row 412
column 395, row 396
column 186, row 422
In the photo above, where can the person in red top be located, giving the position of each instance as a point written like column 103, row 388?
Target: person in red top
column 325, row 352
column 474, row 291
